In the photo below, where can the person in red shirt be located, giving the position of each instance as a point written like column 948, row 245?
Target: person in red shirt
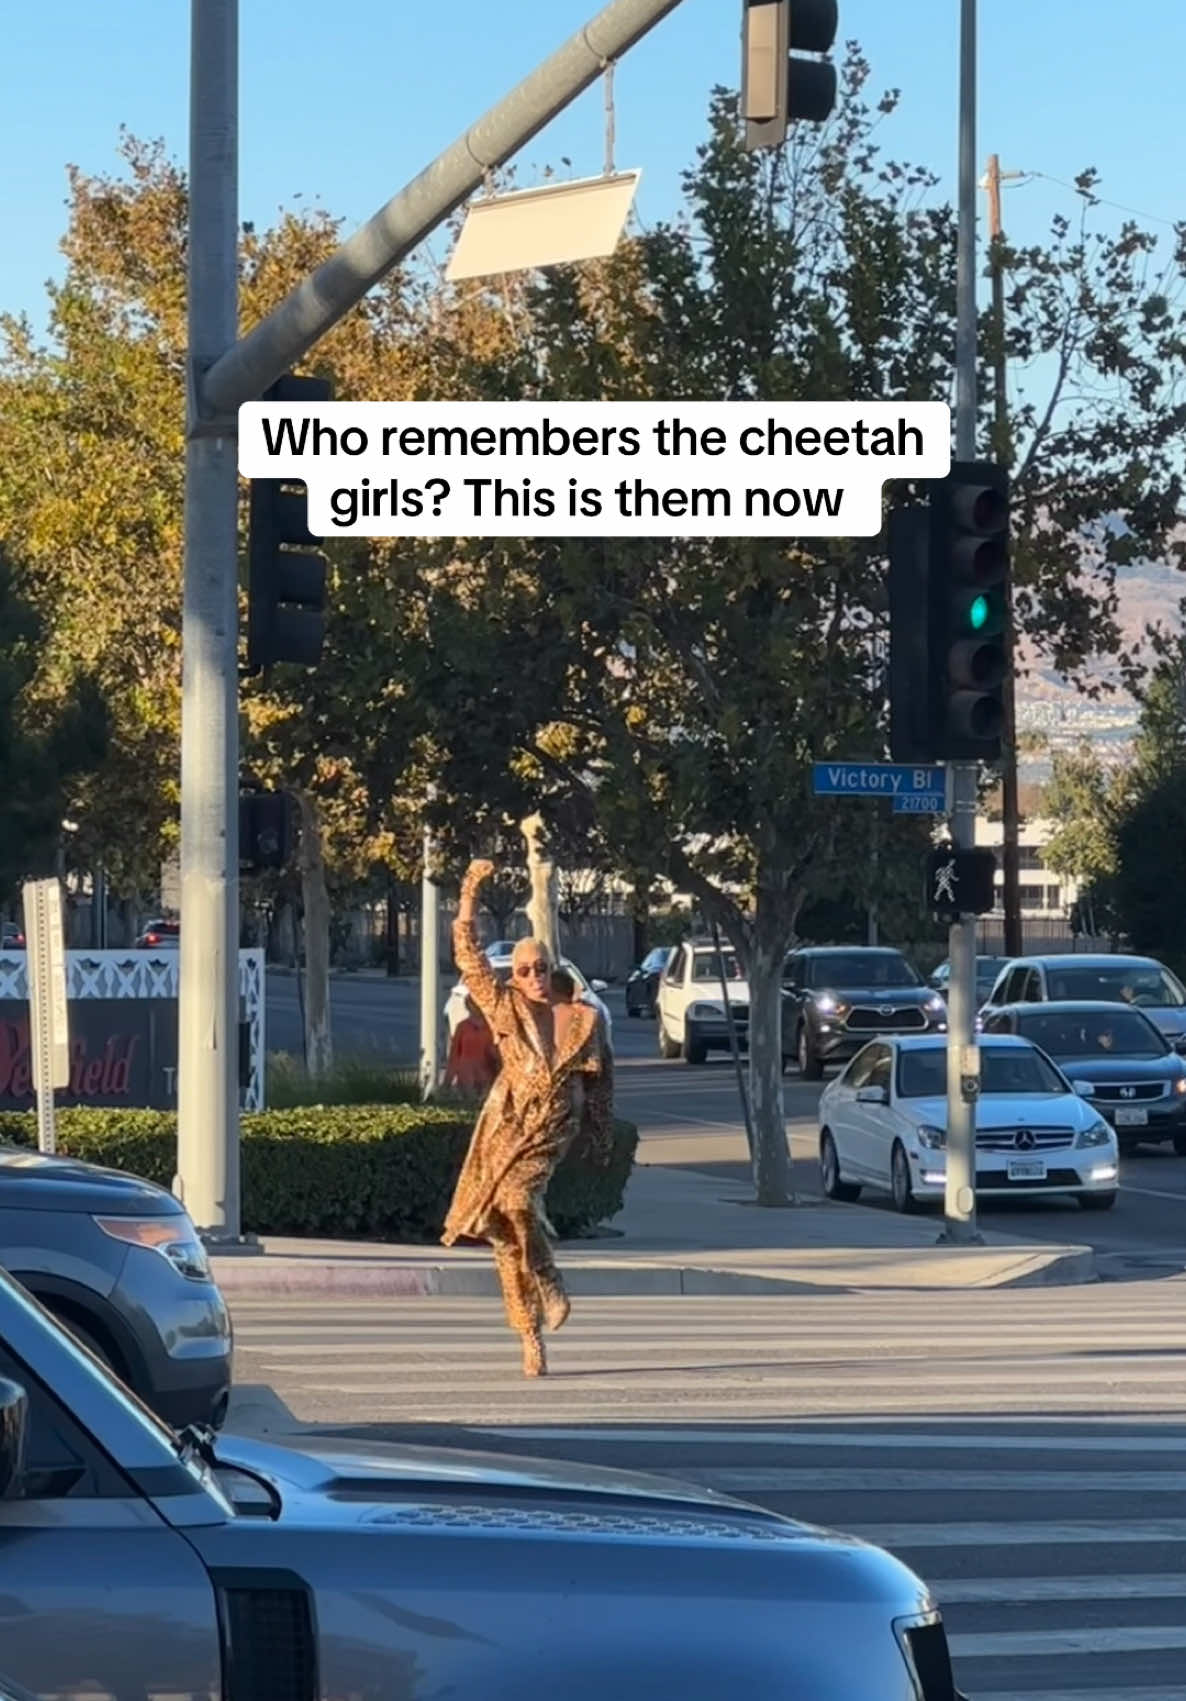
column 473, row 1056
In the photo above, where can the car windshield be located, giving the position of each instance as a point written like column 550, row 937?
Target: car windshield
column 1146, row 984
column 1092, row 1033
column 706, row 966
column 987, row 970
column 841, row 970
column 656, row 960
column 1017, row 1070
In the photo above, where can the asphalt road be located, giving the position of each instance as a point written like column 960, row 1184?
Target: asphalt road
column 1021, row 1449
column 692, row 1117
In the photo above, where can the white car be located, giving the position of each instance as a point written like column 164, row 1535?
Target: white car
column 587, row 990
column 883, row 1125
column 691, row 1004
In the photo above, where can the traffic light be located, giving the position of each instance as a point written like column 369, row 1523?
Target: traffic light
column 265, row 831
column 776, row 87
column 969, row 566
column 912, row 733
column 286, row 572
column 960, row 882
column 948, row 589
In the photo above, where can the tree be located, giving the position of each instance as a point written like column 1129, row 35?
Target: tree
column 1146, row 885
column 1084, row 800
column 38, row 758
column 699, row 681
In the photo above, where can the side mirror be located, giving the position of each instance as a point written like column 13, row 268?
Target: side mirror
column 14, row 1430
column 1180, row 1045
column 872, row 1095
column 1085, row 1089
column 598, row 986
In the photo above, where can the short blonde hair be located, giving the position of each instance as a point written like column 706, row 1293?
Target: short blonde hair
column 530, row 948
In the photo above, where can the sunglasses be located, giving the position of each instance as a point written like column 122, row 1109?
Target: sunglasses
column 526, row 969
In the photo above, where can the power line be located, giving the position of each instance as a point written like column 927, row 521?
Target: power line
column 1099, row 200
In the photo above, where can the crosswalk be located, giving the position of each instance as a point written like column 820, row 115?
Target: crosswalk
column 1023, row 1451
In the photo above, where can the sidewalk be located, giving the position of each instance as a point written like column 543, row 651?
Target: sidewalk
column 679, row 1233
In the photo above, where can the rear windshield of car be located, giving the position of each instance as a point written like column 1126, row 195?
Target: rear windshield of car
column 1092, row 1033
column 706, row 965
column 848, row 969
column 922, row 1074
column 1151, row 987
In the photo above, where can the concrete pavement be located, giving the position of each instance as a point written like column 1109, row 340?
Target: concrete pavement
column 680, row 1233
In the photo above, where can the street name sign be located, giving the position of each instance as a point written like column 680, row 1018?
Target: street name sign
column 876, row 779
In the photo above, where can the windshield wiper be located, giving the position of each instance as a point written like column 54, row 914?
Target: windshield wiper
column 198, row 1442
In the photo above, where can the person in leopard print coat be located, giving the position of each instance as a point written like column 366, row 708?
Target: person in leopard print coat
column 555, row 1085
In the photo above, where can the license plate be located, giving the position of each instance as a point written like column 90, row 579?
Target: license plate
column 1027, row 1169
column 1132, row 1119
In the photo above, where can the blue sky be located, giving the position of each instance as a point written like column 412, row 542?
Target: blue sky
column 344, row 104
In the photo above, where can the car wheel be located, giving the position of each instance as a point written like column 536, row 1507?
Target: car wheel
column 667, row 1046
column 84, row 1338
column 1180, row 1145
column 901, row 1186
column 829, row 1165
column 632, row 1010
column 1098, row 1201
column 810, row 1065
column 695, row 1053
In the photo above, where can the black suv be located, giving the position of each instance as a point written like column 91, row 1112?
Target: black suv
column 839, row 997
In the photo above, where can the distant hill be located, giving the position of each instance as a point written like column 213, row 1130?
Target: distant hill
column 1048, row 705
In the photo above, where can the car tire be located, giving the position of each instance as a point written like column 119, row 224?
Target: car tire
column 901, row 1185
column 844, row 1192
column 695, row 1053
column 1098, row 1201
column 1180, row 1145
column 632, row 1011
column 668, row 1048
column 84, row 1337
column 811, row 1066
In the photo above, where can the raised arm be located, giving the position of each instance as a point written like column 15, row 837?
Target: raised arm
column 482, row 984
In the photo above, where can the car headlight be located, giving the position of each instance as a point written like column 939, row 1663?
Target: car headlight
column 1180, row 1085
column 936, row 1005
column 829, row 1006
column 705, row 1012
column 1098, row 1134
column 934, row 1139
column 174, row 1237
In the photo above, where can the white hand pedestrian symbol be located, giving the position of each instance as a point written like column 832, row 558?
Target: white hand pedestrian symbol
column 945, row 882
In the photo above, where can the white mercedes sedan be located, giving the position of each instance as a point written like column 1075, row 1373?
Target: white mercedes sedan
column 883, row 1125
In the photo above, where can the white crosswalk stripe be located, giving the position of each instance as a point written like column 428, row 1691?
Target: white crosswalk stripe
column 1024, row 1451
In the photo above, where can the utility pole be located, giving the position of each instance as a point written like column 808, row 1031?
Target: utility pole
column 208, row 1060
column 960, row 1200
column 1002, row 453
column 222, row 374
column 430, row 974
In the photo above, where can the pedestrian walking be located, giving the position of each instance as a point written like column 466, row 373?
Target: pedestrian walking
column 473, row 1057
column 533, row 1113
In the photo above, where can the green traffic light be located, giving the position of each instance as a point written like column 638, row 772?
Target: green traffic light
column 978, row 613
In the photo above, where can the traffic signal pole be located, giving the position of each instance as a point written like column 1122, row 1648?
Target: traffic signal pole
column 222, row 373
column 962, row 1081
column 315, row 306
column 208, row 1038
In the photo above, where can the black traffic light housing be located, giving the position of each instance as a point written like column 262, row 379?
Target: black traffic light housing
column 266, row 831
column 968, row 605
column 948, row 600
column 778, row 88
column 286, row 571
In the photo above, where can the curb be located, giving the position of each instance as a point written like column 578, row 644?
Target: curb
column 263, row 1278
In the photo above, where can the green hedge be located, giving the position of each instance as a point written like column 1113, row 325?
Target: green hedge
column 377, row 1172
